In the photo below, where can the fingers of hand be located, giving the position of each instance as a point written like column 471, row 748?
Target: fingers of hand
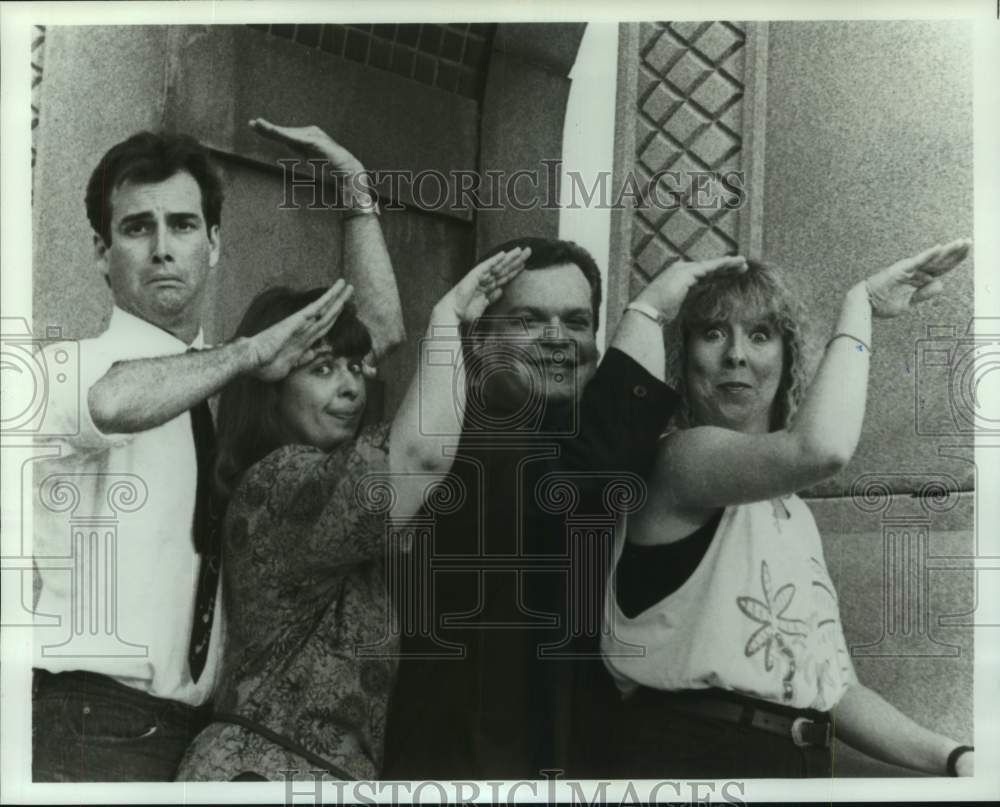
column 927, row 292
column 728, row 262
column 484, row 266
column 735, row 263
column 950, row 256
column 314, row 311
column 508, row 269
column 513, row 262
column 332, row 311
column 307, row 356
column 495, row 273
column 319, row 316
column 297, row 136
column 268, row 129
column 920, row 261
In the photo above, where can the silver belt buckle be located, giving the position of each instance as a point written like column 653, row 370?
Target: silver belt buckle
column 797, row 725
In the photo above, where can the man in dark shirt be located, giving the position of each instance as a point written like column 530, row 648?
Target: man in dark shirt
column 501, row 616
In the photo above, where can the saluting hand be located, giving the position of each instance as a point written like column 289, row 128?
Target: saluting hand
column 483, row 285
column 309, row 141
column 895, row 289
column 278, row 350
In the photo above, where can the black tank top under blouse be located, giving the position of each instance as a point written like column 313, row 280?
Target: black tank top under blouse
column 647, row 574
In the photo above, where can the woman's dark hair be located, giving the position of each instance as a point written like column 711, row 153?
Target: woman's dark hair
column 249, row 426
column 719, row 296
column 151, row 157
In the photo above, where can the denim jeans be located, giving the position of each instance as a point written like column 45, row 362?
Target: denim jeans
column 89, row 728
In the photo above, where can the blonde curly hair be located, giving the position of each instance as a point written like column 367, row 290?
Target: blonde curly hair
column 717, row 297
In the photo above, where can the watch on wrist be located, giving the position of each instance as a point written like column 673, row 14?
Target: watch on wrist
column 647, row 311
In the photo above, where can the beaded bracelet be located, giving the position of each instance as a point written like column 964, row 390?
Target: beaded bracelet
column 849, row 336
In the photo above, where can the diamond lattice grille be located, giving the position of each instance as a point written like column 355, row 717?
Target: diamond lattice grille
column 688, row 119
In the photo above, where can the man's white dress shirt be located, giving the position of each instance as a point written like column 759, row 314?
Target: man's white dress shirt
column 125, row 613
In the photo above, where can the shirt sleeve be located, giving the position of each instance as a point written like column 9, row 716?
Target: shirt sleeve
column 66, row 372
column 622, row 412
column 316, row 507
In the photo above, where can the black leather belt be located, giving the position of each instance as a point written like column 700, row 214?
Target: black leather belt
column 803, row 727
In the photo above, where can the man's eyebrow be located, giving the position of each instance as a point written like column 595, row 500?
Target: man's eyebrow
column 145, row 215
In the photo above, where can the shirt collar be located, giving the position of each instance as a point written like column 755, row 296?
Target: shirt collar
column 146, row 334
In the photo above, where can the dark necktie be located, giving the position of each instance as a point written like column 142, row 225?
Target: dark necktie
column 207, row 539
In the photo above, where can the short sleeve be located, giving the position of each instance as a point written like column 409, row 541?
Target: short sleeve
column 67, row 371
column 310, row 502
column 622, row 411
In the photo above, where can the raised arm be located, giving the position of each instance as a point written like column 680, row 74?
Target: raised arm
column 365, row 258
column 427, row 426
column 134, row 396
column 708, row 467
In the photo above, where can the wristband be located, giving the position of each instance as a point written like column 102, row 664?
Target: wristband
column 953, row 758
column 838, row 335
column 647, row 311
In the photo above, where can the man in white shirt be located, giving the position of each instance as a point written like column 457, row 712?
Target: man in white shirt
column 124, row 682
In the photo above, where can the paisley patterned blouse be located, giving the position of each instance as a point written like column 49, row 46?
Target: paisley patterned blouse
column 310, row 654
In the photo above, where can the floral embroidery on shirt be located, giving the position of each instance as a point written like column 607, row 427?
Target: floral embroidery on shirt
column 774, row 626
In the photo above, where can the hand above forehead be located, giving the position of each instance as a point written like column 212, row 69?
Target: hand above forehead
column 484, row 284
column 667, row 290
column 292, row 342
